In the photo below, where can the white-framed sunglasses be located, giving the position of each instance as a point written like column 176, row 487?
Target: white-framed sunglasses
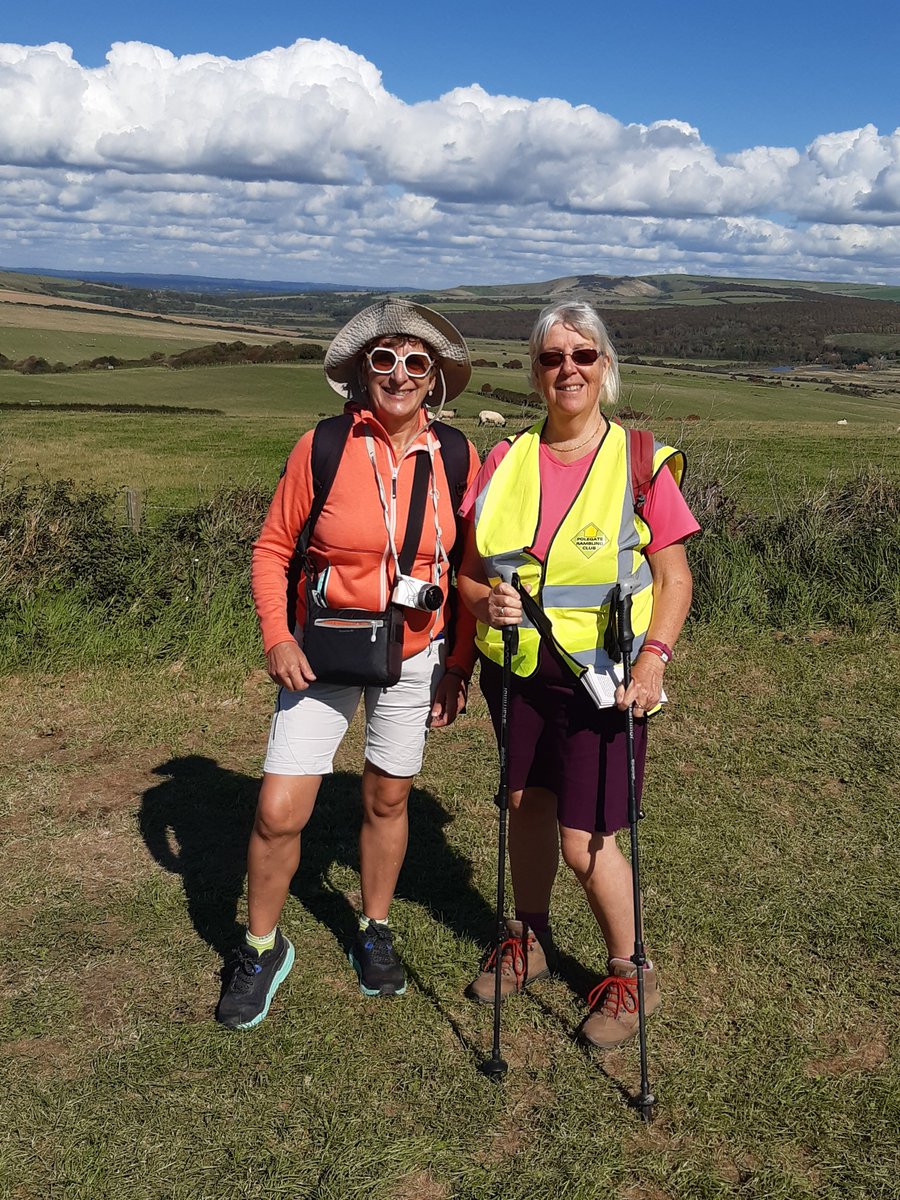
column 383, row 361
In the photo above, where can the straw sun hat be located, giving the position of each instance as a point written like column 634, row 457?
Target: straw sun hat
column 388, row 318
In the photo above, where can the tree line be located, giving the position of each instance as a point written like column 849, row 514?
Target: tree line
column 801, row 331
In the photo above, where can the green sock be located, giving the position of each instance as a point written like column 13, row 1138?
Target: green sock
column 364, row 921
column 261, row 944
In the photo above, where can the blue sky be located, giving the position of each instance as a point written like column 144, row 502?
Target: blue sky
column 708, row 137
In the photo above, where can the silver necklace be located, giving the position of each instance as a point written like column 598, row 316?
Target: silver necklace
column 565, row 449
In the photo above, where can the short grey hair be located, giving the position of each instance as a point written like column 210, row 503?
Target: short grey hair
column 581, row 317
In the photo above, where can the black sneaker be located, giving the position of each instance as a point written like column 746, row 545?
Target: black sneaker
column 375, row 961
column 249, row 982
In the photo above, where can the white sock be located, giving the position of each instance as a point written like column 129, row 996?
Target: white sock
column 364, row 921
column 261, row 944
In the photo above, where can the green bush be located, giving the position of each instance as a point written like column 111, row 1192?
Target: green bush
column 77, row 586
column 833, row 559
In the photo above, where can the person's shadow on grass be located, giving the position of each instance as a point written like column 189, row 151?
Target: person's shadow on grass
column 196, row 823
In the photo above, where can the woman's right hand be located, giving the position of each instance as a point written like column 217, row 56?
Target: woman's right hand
column 504, row 606
column 289, row 666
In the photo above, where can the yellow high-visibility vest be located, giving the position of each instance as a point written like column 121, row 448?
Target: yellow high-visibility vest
column 598, row 545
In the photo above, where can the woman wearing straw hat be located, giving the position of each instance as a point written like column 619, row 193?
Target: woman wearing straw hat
column 387, row 362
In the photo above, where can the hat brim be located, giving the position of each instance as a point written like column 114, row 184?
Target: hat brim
column 392, row 318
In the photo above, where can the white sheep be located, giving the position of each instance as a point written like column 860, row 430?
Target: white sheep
column 488, row 417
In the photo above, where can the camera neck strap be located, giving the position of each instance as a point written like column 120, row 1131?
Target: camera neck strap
column 415, row 519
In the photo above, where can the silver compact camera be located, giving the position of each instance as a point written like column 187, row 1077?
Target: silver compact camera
column 414, row 593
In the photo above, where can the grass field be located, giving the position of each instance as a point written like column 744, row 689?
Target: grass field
column 71, row 334
column 127, row 791
column 769, row 860
column 778, row 441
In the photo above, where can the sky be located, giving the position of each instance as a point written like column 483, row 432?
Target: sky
column 442, row 145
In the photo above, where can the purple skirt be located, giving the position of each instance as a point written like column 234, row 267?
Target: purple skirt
column 561, row 741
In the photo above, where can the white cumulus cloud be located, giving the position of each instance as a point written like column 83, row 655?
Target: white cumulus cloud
column 300, row 160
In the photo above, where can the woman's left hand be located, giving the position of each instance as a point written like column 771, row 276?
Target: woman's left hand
column 646, row 685
column 449, row 700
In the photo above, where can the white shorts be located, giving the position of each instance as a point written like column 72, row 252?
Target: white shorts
column 308, row 726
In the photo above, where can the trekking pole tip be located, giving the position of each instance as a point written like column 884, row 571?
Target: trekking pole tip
column 494, row 1069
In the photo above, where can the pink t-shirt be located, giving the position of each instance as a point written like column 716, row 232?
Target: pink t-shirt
column 665, row 510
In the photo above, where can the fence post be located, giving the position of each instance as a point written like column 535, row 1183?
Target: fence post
column 133, row 509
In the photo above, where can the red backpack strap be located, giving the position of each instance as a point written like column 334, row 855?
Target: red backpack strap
column 641, row 447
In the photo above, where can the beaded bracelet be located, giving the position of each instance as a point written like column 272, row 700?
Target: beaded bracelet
column 660, row 649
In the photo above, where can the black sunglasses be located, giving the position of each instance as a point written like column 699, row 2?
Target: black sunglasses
column 581, row 358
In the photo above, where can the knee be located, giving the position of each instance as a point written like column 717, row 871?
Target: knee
column 386, row 804
column 535, row 804
column 384, row 796
column 278, row 815
column 576, row 853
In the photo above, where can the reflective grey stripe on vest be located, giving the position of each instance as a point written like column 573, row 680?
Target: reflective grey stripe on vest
column 594, row 595
column 599, row 659
column 504, row 565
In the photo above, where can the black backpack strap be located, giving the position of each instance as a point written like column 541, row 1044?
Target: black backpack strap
column 329, row 438
column 455, row 457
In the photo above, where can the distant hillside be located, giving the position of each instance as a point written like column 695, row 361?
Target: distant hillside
column 652, row 316
column 208, row 284
column 650, row 291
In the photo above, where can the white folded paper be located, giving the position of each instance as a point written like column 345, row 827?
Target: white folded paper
column 601, row 685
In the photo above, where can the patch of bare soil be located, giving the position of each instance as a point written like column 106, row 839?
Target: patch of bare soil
column 642, row 1191
column 515, row 1132
column 531, row 1049
column 420, row 1185
column 852, row 1052
column 41, row 1058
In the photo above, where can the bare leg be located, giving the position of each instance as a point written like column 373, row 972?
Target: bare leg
column 284, row 807
column 605, row 874
column 533, row 847
column 382, row 838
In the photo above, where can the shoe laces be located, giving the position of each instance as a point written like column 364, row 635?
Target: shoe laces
column 380, row 944
column 614, row 994
column 513, row 956
column 245, row 966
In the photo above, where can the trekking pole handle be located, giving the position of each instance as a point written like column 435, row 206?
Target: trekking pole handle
column 626, row 633
column 511, row 632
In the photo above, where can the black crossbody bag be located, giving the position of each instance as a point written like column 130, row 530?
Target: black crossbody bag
column 352, row 645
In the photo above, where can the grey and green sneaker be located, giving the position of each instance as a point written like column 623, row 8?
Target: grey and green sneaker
column 250, row 980
column 375, row 961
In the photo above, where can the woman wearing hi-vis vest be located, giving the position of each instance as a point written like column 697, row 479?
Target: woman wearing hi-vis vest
column 556, row 506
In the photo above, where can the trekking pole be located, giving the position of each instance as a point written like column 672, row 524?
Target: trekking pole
column 495, row 1067
column 646, row 1099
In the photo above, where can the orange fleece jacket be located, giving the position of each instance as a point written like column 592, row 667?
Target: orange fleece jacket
column 351, row 538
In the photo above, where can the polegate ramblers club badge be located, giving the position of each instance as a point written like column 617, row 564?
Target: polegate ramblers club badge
column 590, row 539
